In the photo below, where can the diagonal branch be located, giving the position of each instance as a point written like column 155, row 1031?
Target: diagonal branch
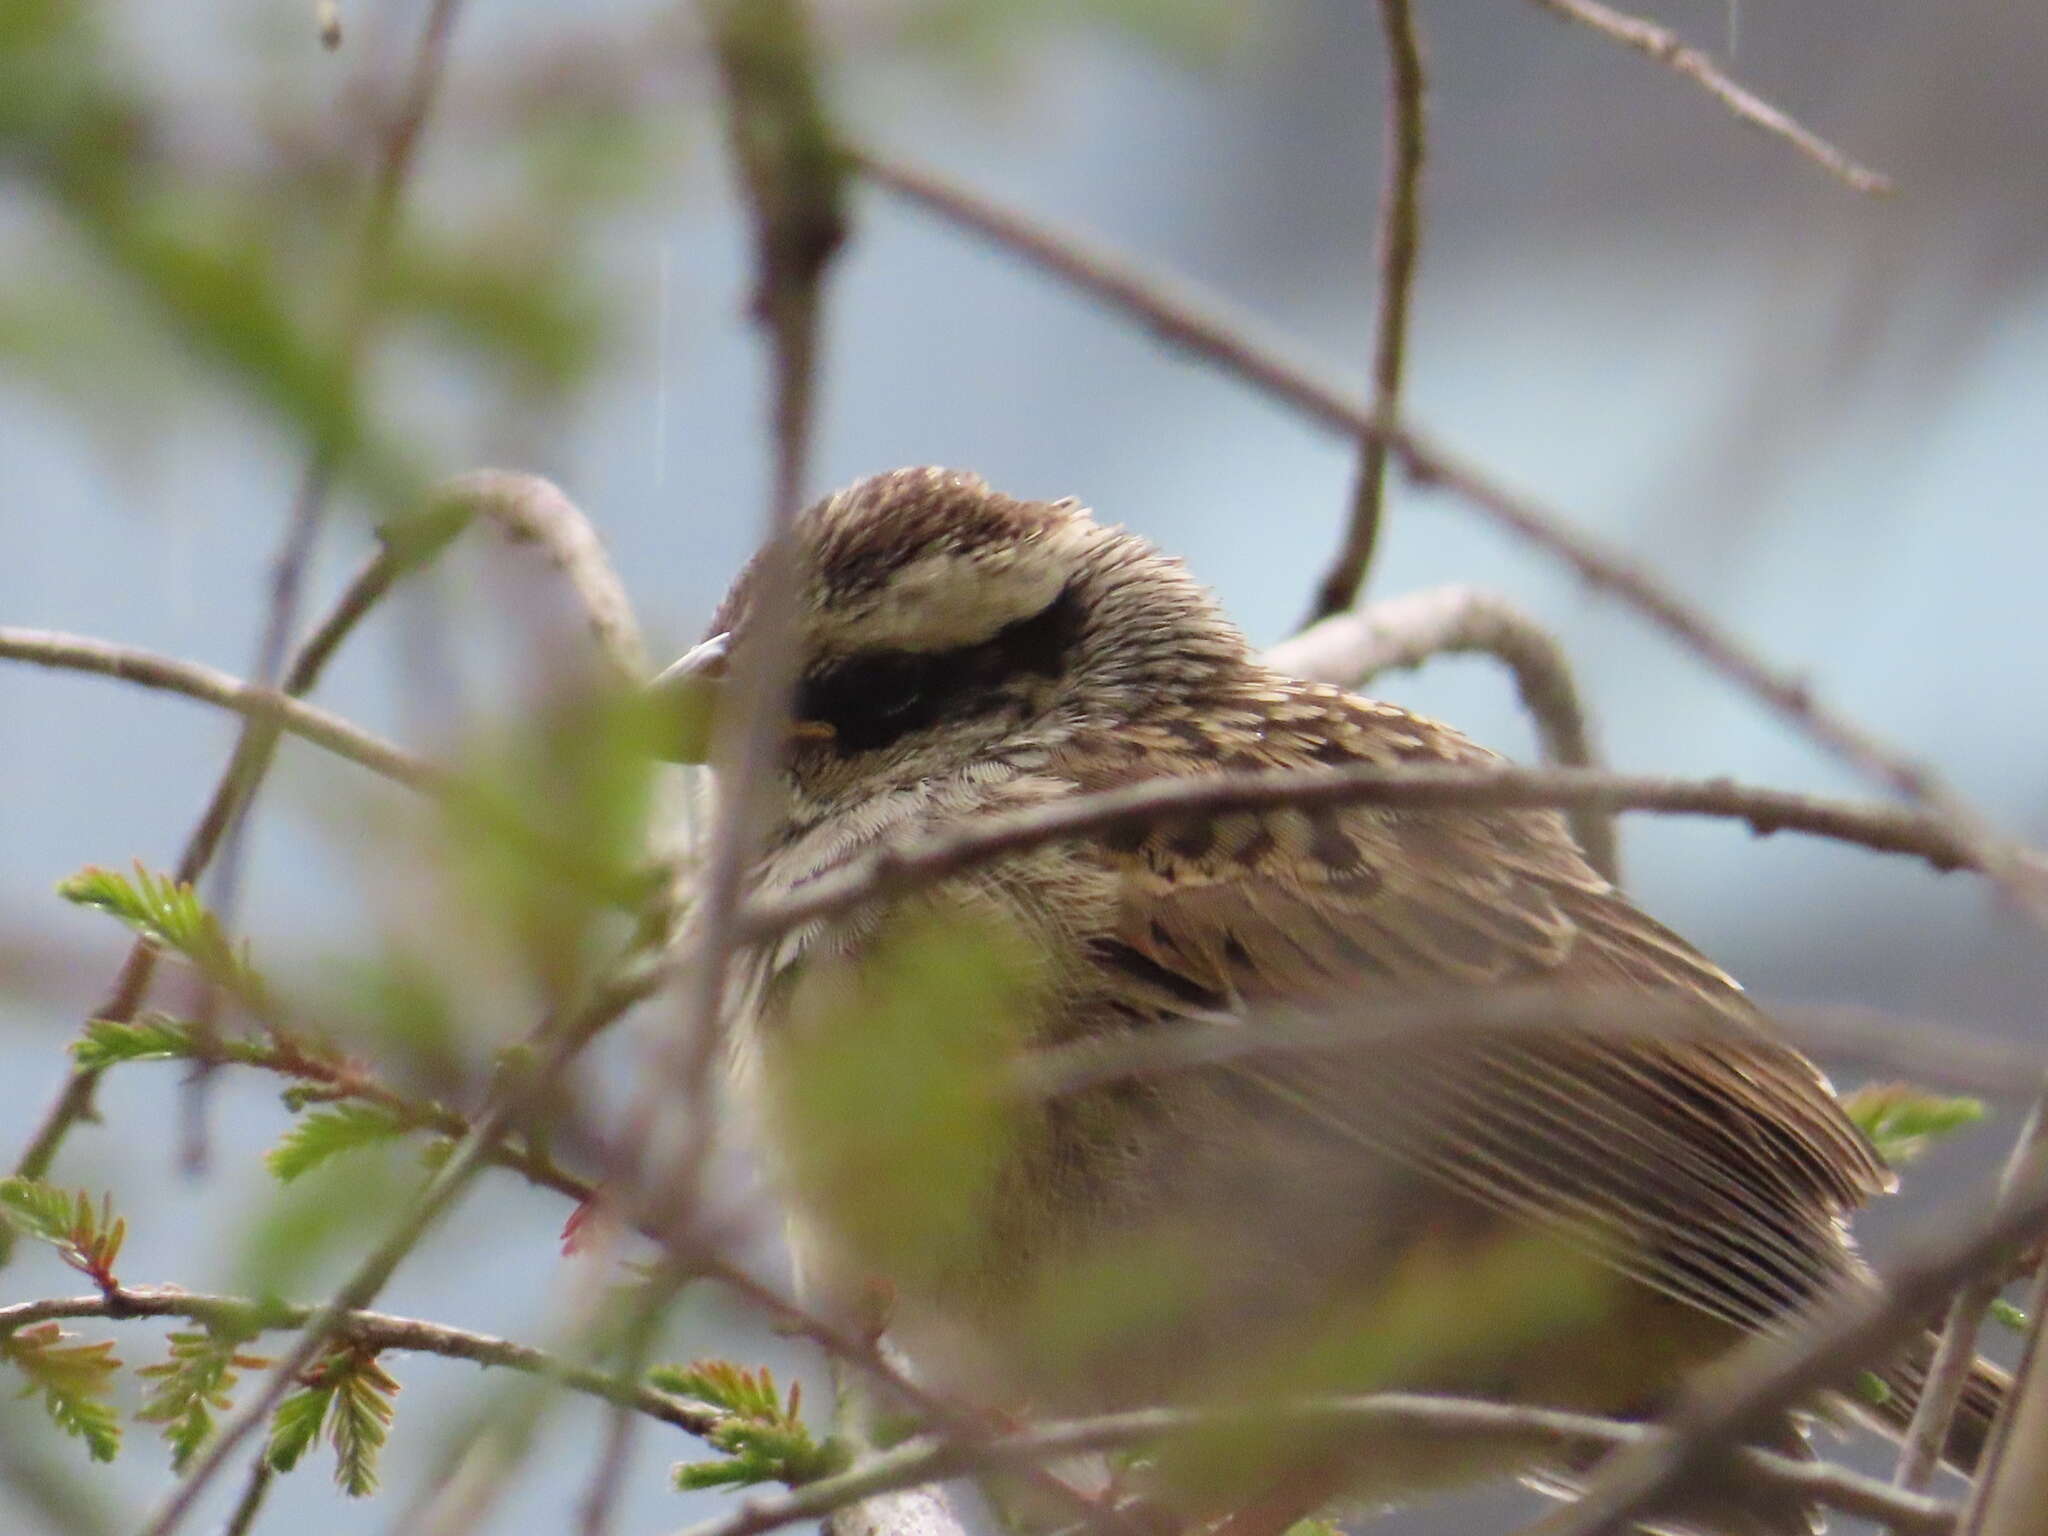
column 1400, row 240
column 79, row 653
column 1185, row 318
column 1656, row 42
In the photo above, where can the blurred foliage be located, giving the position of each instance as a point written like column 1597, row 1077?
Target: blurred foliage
column 1902, row 1121
column 275, row 269
column 894, row 1090
column 286, row 1244
column 761, row 1433
column 1453, row 1316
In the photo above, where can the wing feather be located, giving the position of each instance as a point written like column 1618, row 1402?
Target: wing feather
column 1714, row 1168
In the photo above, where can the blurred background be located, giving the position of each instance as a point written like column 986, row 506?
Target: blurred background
column 1819, row 415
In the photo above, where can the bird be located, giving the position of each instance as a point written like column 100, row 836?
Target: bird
column 1568, row 1216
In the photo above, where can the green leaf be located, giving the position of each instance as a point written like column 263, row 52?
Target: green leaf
column 350, row 1395
column 153, row 1038
column 192, row 1385
column 361, row 1423
column 2006, row 1315
column 296, row 1425
column 169, row 913
column 1902, row 1121
column 326, row 1134
column 86, row 1237
column 72, row 1378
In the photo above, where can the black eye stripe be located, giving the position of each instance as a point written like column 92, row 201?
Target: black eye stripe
column 877, row 697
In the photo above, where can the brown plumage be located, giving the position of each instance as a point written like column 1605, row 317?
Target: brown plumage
column 961, row 654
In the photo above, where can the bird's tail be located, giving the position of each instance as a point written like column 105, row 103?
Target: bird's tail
column 1968, row 1431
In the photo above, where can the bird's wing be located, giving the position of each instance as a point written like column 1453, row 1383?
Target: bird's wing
column 1713, row 1164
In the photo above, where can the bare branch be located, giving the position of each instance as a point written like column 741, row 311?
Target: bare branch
column 1538, row 1430
column 1400, row 239
column 1402, row 632
column 1174, row 311
column 1655, row 42
column 526, row 509
column 78, row 653
column 372, row 1330
column 894, row 872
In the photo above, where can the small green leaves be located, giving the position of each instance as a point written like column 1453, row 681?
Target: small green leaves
column 2006, row 1315
column 191, row 1386
column 157, row 1037
column 328, row 1132
column 169, row 913
column 72, row 1378
column 1902, row 1121
column 87, row 1238
column 349, row 1394
column 763, row 1436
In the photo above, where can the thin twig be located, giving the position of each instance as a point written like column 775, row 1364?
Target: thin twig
column 1655, row 42
column 2010, row 1487
column 1401, row 632
column 1540, row 1430
column 1400, row 239
column 791, row 172
column 397, row 154
column 372, row 1330
column 893, row 872
column 1184, row 318
column 1956, row 1354
column 530, row 510
column 80, row 653
column 254, row 1491
column 1729, row 1402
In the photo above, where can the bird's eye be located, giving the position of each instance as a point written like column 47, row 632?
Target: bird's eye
column 875, row 698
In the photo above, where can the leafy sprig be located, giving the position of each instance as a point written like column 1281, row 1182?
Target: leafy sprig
column 349, row 1394
column 169, row 913
column 192, row 1385
column 71, row 1376
column 328, row 1133
column 761, row 1433
column 87, row 1237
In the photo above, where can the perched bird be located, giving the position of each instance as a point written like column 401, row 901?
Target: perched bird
column 1571, row 1216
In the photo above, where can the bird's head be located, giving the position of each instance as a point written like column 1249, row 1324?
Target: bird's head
column 938, row 623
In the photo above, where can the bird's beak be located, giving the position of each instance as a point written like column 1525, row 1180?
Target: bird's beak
column 684, row 699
